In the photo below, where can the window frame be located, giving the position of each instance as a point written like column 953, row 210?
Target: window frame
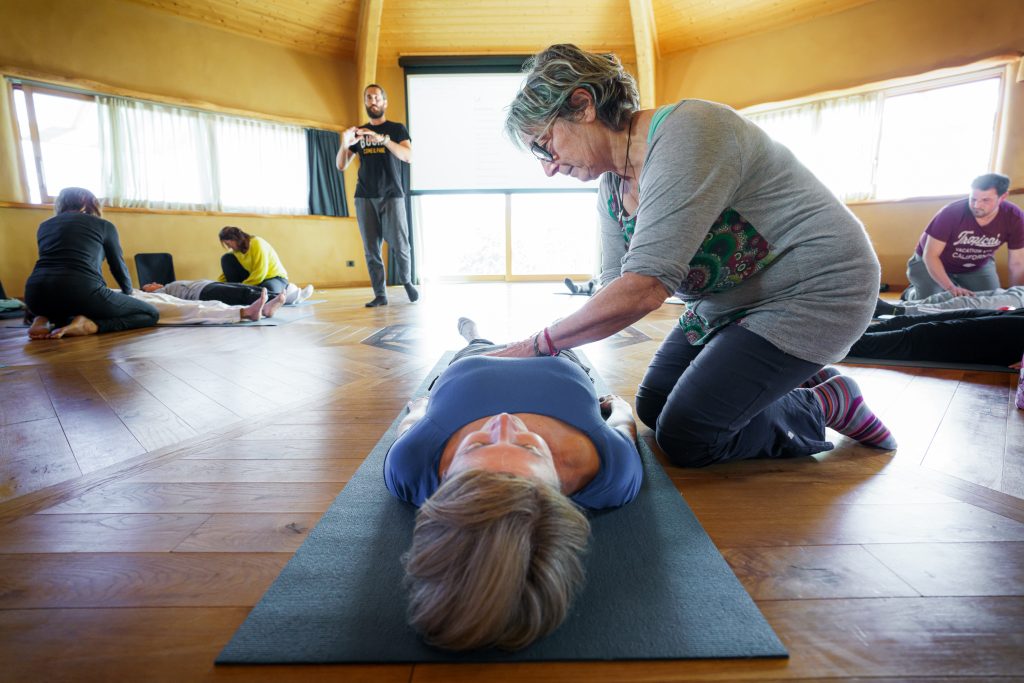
column 484, row 65
column 908, row 86
column 29, row 90
column 30, row 83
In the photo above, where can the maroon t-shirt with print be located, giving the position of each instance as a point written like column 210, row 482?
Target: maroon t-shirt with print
column 969, row 246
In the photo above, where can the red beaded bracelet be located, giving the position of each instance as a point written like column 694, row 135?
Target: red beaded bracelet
column 552, row 351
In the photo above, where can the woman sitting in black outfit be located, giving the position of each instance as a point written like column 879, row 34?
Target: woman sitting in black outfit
column 66, row 291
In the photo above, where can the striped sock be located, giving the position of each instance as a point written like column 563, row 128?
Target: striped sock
column 820, row 377
column 845, row 411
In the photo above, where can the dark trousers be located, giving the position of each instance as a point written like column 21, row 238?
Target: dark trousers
column 60, row 298
column 731, row 399
column 234, row 272
column 232, row 293
column 963, row 336
column 479, row 347
column 384, row 220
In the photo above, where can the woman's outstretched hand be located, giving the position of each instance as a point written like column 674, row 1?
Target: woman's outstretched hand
column 519, row 349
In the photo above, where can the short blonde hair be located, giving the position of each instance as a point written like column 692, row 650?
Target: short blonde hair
column 495, row 561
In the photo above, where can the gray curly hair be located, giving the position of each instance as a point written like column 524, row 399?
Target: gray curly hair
column 551, row 78
column 495, row 561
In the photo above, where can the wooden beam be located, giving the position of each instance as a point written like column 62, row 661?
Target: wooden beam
column 645, row 42
column 367, row 47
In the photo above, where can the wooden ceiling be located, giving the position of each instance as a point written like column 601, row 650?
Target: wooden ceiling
column 330, row 27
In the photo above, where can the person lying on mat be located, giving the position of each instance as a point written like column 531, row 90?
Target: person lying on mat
column 971, row 336
column 588, row 288
column 251, row 260
column 177, row 311
column 992, row 299
column 233, row 293
column 500, row 458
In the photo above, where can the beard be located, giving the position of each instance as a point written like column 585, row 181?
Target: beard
column 374, row 112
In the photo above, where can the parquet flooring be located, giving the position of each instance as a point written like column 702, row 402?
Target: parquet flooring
column 153, row 483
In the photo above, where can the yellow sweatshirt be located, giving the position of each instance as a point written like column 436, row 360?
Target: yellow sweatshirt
column 261, row 261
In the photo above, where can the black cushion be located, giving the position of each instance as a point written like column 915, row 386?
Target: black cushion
column 157, row 267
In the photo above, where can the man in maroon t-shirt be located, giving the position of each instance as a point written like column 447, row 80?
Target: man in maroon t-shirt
column 955, row 251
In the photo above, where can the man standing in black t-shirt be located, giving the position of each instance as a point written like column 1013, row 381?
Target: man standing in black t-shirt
column 382, row 146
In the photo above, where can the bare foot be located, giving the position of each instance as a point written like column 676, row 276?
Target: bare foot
column 40, row 328
column 253, row 310
column 274, row 304
column 80, row 326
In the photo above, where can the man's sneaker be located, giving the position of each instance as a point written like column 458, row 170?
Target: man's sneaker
column 377, row 301
column 411, row 291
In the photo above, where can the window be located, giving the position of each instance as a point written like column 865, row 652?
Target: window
column 64, row 149
column 469, row 180
column 135, row 153
column 927, row 139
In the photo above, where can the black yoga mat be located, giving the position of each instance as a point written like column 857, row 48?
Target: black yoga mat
column 657, row 588
column 857, row 360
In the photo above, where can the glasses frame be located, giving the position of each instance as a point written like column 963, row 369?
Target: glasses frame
column 539, row 150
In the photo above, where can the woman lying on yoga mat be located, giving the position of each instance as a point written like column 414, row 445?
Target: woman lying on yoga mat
column 177, row 311
column 232, row 293
column 969, row 336
column 498, row 459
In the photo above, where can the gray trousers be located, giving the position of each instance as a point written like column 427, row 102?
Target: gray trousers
column 980, row 280
column 379, row 220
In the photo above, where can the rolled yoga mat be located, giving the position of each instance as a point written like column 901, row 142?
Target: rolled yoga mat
column 656, row 587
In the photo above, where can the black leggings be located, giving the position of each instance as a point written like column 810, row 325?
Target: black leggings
column 60, row 298
column 231, row 293
column 234, row 272
column 963, row 336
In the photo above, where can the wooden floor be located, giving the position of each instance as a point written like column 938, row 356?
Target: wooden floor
column 154, row 483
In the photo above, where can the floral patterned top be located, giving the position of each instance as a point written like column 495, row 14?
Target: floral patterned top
column 732, row 251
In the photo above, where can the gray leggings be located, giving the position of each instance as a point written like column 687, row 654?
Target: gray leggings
column 979, row 280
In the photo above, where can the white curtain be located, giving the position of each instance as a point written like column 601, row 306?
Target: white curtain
column 161, row 157
column 836, row 139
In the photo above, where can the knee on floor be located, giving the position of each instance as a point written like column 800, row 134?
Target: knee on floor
column 689, row 450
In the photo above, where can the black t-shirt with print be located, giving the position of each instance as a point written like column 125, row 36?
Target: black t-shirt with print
column 380, row 171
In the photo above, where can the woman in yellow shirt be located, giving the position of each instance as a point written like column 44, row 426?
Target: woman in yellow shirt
column 251, row 261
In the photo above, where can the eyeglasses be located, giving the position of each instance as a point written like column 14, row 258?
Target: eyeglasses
column 541, row 152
